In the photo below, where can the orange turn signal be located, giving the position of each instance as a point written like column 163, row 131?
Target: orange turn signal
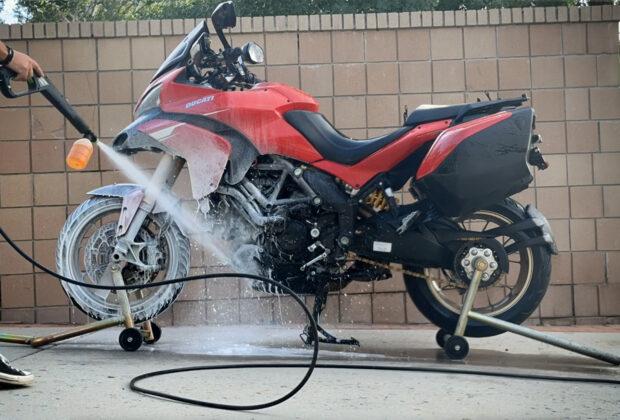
column 80, row 154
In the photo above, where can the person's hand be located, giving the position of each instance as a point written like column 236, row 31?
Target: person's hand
column 24, row 66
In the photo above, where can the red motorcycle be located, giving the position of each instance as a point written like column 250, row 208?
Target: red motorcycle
column 309, row 207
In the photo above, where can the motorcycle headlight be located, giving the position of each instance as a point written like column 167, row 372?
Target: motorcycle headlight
column 253, row 53
column 150, row 101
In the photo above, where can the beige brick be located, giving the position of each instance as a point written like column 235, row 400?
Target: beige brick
column 12, row 262
column 15, row 157
column 448, row 76
column 140, row 80
column 580, row 70
column 414, row 101
column 114, row 54
column 80, row 183
column 607, row 237
column 561, row 234
column 446, row 43
column 49, row 292
column 24, row 316
column 114, row 118
column 613, row 267
column 90, row 114
column 46, row 123
column 147, row 53
column 48, row 221
column 48, row 54
column 549, row 104
column 546, row 39
column 350, row 79
column 348, row 47
column 512, row 41
column 288, row 75
column 561, row 268
column 189, row 313
column 17, row 222
column 586, row 300
column 315, row 47
column 603, row 38
column 553, row 136
column 574, row 38
column 481, row 75
column 223, row 312
column 547, row 72
column 331, row 314
column 553, row 202
column 577, row 102
column 50, row 189
column 579, row 169
column 588, row 267
column 415, row 77
column 582, row 136
column 382, row 78
column 586, row 201
column 380, row 46
column 356, row 309
column 388, row 308
column 609, row 299
column 79, row 54
column 52, row 315
column 606, row 168
column 48, row 156
column 383, row 111
column 414, row 44
column 15, row 124
column 605, row 103
column 350, row 112
column 480, row 42
column 514, row 73
column 317, row 80
column 81, row 88
column 611, row 199
column 17, row 291
column 16, row 190
column 414, row 316
column 582, row 236
column 454, row 98
column 607, row 70
column 326, row 107
column 555, row 175
column 558, row 301
column 115, row 87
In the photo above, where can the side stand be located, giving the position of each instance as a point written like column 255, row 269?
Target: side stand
column 320, row 300
column 456, row 346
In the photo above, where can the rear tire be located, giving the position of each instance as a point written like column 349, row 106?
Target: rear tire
column 440, row 314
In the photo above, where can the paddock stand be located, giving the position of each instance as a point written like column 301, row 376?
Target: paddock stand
column 130, row 338
column 456, row 346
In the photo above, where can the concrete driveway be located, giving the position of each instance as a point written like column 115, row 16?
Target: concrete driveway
column 88, row 377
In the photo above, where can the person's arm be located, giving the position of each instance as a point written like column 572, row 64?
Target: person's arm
column 20, row 63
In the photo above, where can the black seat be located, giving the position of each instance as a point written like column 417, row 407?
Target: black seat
column 332, row 144
column 428, row 113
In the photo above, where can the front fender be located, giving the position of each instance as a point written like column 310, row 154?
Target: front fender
column 124, row 190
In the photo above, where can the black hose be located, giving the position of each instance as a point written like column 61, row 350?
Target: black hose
column 310, row 367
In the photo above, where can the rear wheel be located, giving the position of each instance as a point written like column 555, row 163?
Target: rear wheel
column 512, row 297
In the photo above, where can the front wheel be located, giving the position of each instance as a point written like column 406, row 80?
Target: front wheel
column 513, row 297
column 85, row 248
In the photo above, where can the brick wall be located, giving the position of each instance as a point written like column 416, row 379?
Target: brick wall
column 363, row 69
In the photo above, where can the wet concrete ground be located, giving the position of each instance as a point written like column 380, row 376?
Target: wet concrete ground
column 88, row 377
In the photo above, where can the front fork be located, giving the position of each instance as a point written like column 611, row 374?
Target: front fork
column 162, row 180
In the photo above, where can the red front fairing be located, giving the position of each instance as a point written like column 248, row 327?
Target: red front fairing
column 256, row 113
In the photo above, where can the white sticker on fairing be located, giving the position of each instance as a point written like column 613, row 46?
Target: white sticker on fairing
column 382, row 246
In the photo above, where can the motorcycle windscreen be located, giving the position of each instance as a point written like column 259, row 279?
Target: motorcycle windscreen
column 478, row 163
column 206, row 153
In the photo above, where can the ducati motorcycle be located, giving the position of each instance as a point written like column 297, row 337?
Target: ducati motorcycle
column 309, row 207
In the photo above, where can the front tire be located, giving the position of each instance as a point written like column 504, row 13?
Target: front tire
column 96, row 219
column 445, row 313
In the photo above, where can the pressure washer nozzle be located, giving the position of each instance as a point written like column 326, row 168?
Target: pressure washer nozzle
column 80, row 154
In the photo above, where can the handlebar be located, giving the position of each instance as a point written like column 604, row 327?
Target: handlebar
column 44, row 86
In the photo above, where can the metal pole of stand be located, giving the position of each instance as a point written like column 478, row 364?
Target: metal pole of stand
column 480, row 265
column 546, row 338
column 122, row 296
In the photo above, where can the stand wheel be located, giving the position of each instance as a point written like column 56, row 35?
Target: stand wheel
column 441, row 337
column 130, row 339
column 156, row 334
column 456, row 347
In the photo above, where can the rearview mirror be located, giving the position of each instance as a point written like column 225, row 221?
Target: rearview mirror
column 224, row 17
